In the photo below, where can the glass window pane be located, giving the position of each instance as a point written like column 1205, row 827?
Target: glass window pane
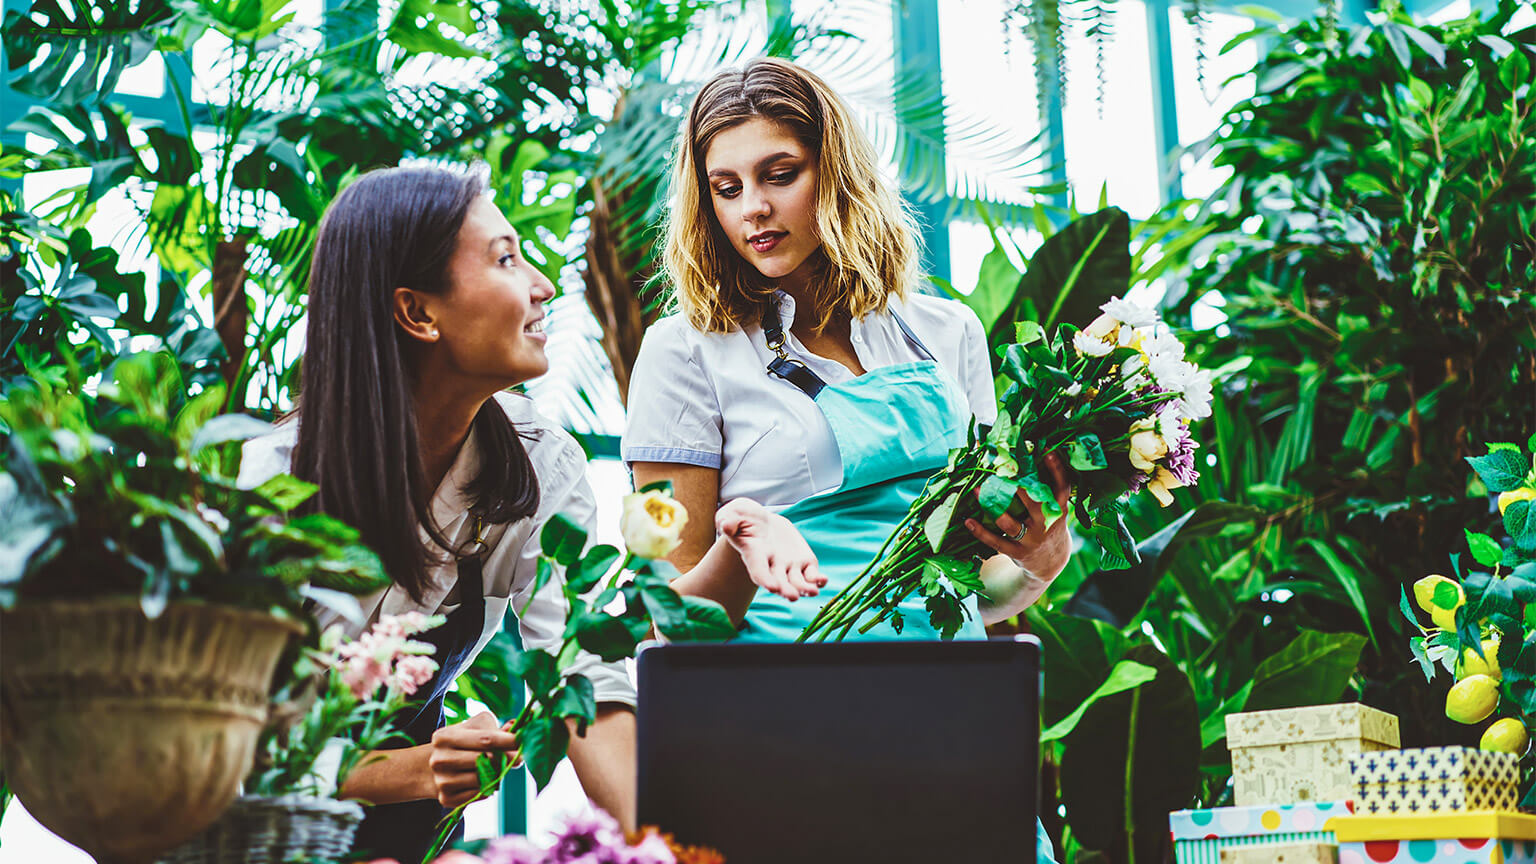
column 1201, row 106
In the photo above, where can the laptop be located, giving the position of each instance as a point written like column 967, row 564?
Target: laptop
column 840, row 753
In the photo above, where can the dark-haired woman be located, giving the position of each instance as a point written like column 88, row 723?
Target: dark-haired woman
column 422, row 313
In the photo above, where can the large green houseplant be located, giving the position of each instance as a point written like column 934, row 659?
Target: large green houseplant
column 145, row 602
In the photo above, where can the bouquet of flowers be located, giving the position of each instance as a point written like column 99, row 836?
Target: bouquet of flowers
column 363, row 683
column 1115, row 398
column 651, row 524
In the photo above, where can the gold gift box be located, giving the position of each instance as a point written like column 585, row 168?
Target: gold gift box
column 1294, row 755
column 1282, row 853
column 1431, row 780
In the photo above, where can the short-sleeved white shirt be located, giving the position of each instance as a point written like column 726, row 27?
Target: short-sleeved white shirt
column 511, row 563
column 707, row 399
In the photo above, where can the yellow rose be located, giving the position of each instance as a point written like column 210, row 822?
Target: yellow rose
column 1162, row 484
column 1147, row 445
column 1524, row 493
column 652, row 523
column 1103, row 327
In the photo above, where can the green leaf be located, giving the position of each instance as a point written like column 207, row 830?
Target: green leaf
column 997, row 494
column 1349, row 578
column 1214, row 727
column 536, row 669
column 562, row 539
column 286, row 491
column 665, row 606
column 1126, row 675
column 936, row 526
column 1072, row 273
column 946, row 614
column 1446, row 596
column 1314, row 668
column 1025, row 332
column 662, row 486
column 1485, row 550
column 610, row 637
column 1085, row 453
column 593, row 566
column 1520, row 522
column 576, row 699
column 543, row 744
column 1501, row 470
column 227, row 427
column 488, row 770
column 707, row 621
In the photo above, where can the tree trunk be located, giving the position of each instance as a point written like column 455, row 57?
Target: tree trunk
column 614, row 282
column 230, row 315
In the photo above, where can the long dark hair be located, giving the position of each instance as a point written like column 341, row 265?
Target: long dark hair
column 395, row 227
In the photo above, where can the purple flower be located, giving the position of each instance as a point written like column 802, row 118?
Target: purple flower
column 513, row 850
column 1181, row 460
column 585, row 834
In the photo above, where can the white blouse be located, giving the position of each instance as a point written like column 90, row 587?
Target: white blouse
column 707, row 399
column 512, row 561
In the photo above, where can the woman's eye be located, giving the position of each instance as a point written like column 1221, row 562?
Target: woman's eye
column 727, row 191
column 507, row 259
column 783, row 178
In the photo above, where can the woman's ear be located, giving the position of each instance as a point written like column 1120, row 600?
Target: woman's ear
column 414, row 315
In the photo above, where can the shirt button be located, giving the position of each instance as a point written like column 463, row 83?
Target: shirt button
column 858, row 338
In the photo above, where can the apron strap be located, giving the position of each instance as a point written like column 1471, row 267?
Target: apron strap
column 798, row 373
column 793, row 371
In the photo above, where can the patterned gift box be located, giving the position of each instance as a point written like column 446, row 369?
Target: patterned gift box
column 1301, row 754
column 1293, row 853
column 1460, row 838
column 1200, row 836
column 1434, row 780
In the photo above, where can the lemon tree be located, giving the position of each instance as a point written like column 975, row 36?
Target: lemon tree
column 1483, row 617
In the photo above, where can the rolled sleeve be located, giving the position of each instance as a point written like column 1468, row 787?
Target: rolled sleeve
column 679, row 420
column 542, row 626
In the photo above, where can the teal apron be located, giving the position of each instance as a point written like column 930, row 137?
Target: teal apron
column 894, row 428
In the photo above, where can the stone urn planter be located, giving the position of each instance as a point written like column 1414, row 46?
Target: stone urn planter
column 127, row 736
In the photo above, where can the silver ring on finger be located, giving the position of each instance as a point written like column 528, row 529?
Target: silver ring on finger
column 1019, row 537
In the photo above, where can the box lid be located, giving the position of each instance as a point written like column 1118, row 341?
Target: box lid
column 1478, row 824
column 1312, row 723
column 1255, row 821
column 1434, row 765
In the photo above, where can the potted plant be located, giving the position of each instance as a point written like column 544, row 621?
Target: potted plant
column 145, row 602
column 348, row 691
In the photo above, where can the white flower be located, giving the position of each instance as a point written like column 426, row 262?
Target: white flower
column 652, row 523
column 1160, row 343
column 1147, row 444
column 1131, row 369
column 1130, row 313
column 1171, row 373
column 1162, row 484
column 1088, row 346
column 1103, row 327
column 1195, row 401
column 1074, row 390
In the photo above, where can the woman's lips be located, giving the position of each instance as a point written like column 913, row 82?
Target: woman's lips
column 765, row 242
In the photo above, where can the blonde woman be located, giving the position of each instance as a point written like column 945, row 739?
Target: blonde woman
column 803, row 369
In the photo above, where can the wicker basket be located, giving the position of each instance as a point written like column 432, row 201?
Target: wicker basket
column 262, row 830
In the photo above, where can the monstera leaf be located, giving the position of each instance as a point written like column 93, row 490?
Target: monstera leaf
column 85, row 45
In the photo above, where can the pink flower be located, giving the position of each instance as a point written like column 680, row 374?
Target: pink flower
column 411, row 673
column 513, row 850
column 363, row 675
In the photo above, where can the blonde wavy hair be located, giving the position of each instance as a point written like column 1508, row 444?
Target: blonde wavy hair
column 868, row 240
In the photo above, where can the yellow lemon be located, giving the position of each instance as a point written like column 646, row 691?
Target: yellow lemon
column 1488, row 664
column 1505, row 736
column 1524, row 493
column 1424, row 592
column 1472, row 699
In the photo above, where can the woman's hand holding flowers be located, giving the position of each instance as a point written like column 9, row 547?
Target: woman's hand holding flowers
column 456, row 748
column 1039, row 547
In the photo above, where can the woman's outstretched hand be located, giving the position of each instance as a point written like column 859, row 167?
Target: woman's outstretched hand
column 777, row 558
column 1041, row 551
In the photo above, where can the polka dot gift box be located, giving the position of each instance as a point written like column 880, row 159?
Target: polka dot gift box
column 1200, row 835
column 1458, row 838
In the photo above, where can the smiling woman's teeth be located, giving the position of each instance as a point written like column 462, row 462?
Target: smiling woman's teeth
column 535, row 327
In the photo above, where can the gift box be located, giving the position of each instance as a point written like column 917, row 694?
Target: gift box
column 1290, row 853
column 1301, row 754
column 1200, row 836
column 1447, row 838
column 1434, row 780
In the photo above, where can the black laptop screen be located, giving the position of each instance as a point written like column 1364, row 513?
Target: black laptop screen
column 873, row 751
